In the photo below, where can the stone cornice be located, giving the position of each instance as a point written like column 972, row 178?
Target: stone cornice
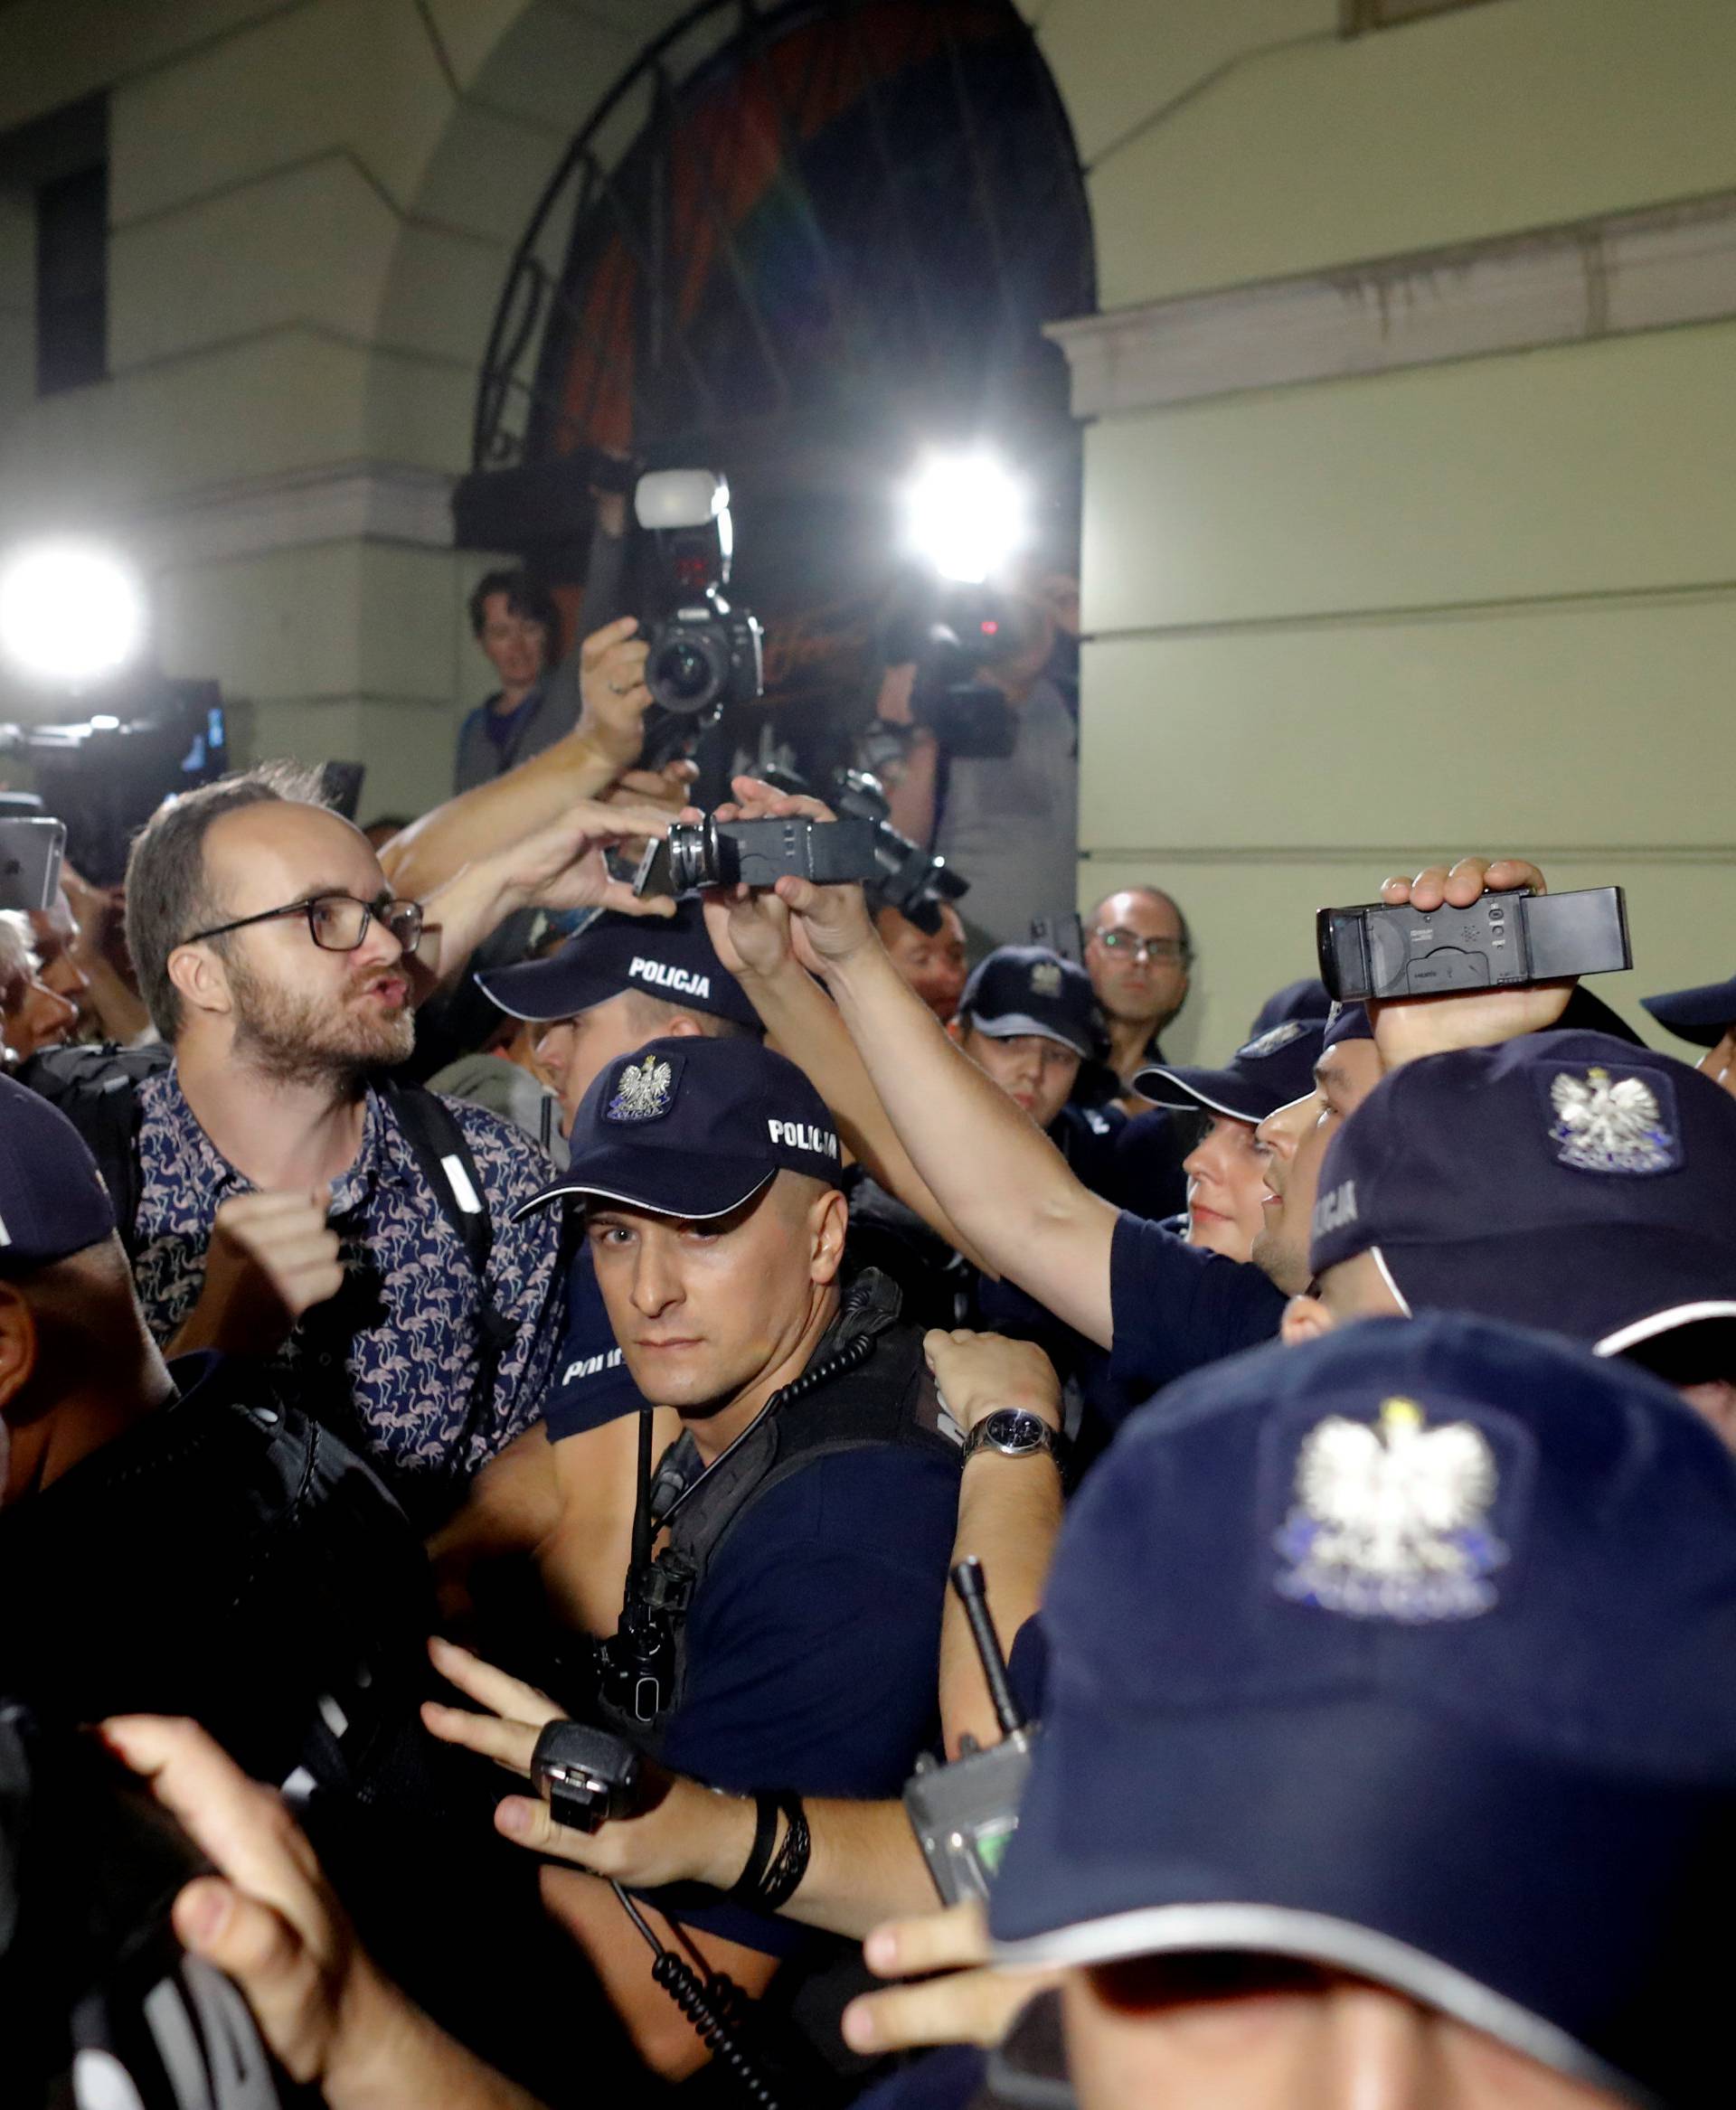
column 1600, row 277
column 352, row 502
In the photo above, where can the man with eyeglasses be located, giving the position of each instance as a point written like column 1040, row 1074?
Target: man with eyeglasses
column 292, row 1203
column 1139, row 951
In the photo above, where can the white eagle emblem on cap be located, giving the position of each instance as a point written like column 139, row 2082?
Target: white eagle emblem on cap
column 1271, row 1040
column 1391, row 1522
column 1045, row 979
column 1610, row 1125
column 642, row 1092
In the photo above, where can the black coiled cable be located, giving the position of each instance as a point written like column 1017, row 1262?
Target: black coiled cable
column 712, row 2005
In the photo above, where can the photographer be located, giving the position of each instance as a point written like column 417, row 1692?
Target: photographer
column 1009, row 821
column 284, row 1199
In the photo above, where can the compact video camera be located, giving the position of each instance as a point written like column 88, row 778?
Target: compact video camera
column 586, row 1776
column 705, row 655
column 1501, row 941
column 32, row 846
column 757, row 854
column 965, row 1813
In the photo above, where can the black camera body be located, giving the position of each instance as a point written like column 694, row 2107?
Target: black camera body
column 757, row 854
column 704, row 658
column 586, row 1776
column 907, row 877
column 30, row 848
column 1062, row 933
column 1502, row 941
column 705, row 655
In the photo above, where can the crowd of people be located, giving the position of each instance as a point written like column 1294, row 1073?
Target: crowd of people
column 496, row 1372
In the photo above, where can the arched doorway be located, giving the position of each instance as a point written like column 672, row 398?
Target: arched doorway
column 795, row 243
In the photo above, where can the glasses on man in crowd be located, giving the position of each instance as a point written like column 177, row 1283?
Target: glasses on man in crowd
column 337, row 923
column 1134, row 945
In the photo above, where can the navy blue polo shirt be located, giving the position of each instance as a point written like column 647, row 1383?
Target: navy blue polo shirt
column 1175, row 1307
column 813, row 1646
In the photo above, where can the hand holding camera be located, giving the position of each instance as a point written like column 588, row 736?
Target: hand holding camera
column 612, row 691
column 1483, row 932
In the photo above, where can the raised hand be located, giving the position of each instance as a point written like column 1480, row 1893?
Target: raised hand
column 1405, row 1028
column 612, row 691
column 979, row 1372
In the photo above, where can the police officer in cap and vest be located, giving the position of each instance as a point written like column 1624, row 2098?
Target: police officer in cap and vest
column 787, row 1628
column 1389, row 1746
column 618, row 983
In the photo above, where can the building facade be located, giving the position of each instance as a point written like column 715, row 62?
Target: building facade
column 1410, row 423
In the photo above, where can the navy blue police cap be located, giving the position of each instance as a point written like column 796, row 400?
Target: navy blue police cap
column 1703, row 1015
column 1406, row 1652
column 693, row 1127
column 1263, row 1074
column 1028, row 989
column 1567, row 1181
column 670, row 957
column 1348, row 1022
column 52, row 1200
column 1306, row 999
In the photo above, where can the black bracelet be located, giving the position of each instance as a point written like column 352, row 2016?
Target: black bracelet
column 791, row 1864
column 746, row 1886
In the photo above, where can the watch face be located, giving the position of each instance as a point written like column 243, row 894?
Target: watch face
column 1014, row 1430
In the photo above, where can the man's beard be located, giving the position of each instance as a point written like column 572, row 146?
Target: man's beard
column 300, row 1040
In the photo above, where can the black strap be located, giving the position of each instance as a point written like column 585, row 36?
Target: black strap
column 746, row 1886
column 432, row 1132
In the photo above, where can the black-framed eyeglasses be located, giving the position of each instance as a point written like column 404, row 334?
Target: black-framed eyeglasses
column 337, row 923
column 1132, row 945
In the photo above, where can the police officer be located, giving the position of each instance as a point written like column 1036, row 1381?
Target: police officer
column 618, row 984
column 1383, row 1757
column 1224, row 1169
column 1706, row 1016
column 787, row 1629
column 1566, row 1181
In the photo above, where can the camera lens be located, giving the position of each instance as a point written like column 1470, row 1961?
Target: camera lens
column 684, row 673
column 690, row 856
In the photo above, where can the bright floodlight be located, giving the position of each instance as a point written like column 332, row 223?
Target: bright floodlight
column 965, row 515
column 69, row 612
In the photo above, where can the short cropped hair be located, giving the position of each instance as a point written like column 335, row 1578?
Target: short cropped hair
column 167, row 896
column 524, row 597
column 1154, row 894
column 658, row 1013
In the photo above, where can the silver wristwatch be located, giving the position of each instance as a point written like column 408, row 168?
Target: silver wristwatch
column 1015, row 1433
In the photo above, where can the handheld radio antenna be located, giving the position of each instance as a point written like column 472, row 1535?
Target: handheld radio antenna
column 968, row 1581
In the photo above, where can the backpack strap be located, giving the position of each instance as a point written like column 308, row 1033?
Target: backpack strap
column 98, row 1090
column 440, row 1147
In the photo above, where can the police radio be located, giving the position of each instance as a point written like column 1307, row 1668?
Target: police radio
column 964, row 1814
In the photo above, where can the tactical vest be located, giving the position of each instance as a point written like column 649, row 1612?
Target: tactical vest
column 886, row 1398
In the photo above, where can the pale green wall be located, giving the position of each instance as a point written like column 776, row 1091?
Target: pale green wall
column 1336, row 627
column 312, row 208
column 1344, row 627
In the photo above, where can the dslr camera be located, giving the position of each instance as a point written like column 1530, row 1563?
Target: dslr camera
column 705, row 655
column 32, row 845
column 1502, row 941
column 906, row 877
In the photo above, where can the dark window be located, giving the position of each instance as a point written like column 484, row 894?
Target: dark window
column 72, row 281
